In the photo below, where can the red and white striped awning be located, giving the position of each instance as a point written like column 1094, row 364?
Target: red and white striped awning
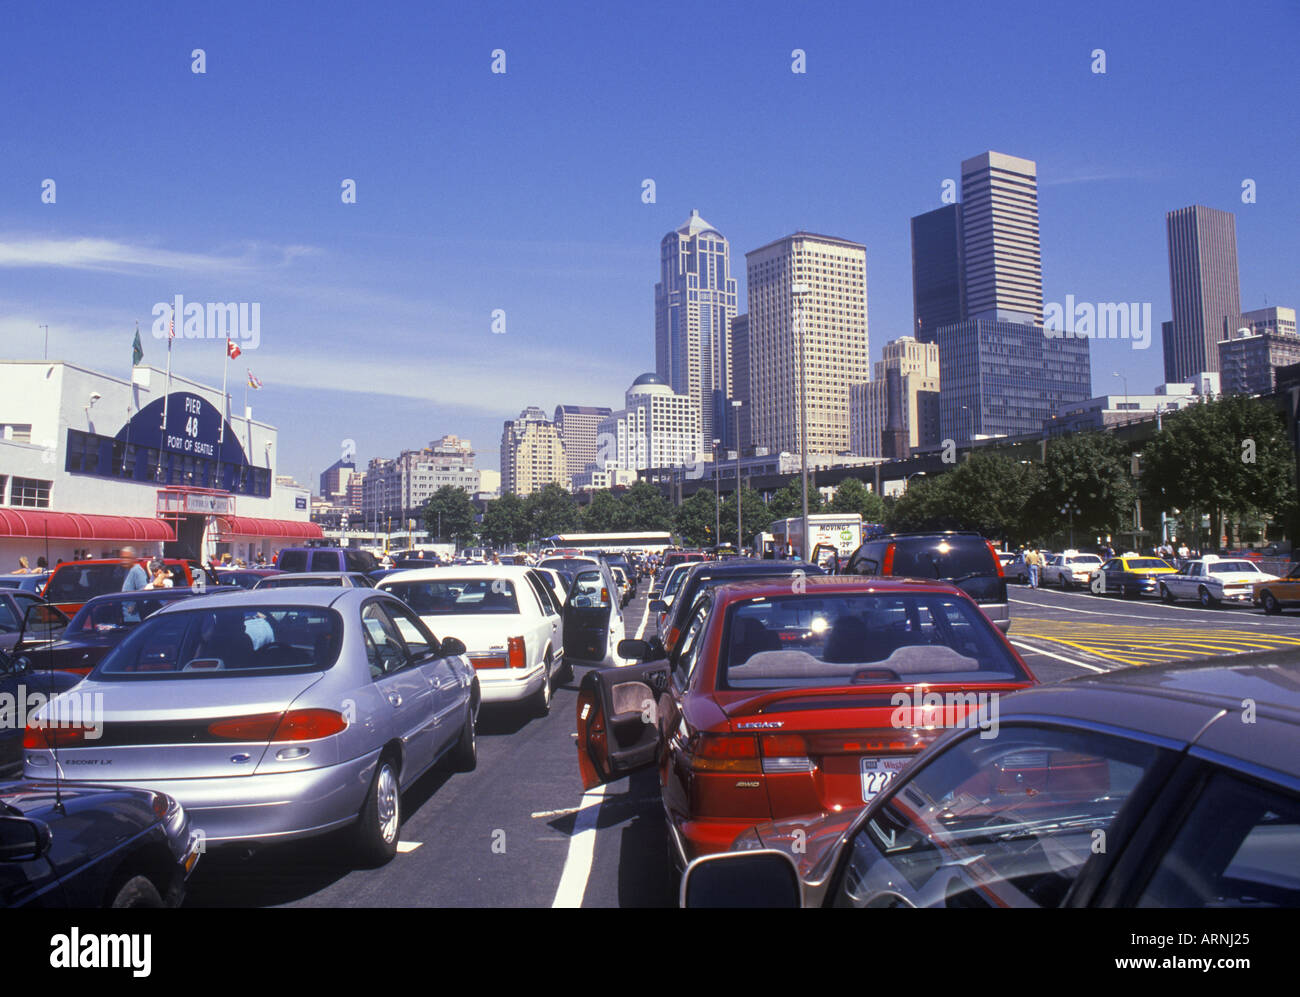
column 281, row 529
column 34, row 524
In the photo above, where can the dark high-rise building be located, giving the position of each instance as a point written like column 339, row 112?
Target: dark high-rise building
column 1203, row 288
column 740, row 378
column 1006, row 378
column 936, row 271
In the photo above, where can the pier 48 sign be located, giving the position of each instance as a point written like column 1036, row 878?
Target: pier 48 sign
column 193, row 428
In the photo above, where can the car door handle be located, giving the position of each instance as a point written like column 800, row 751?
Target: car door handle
column 395, row 698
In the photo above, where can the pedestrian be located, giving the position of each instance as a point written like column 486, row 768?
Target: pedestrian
column 136, row 578
column 23, row 568
column 42, row 565
column 1034, row 561
column 159, row 576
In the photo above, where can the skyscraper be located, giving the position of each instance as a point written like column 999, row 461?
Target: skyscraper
column 740, row 379
column 899, row 409
column 577, row 426
column 833, row 324
column 532, row 454
column 999, row 372
column 695, row 301
column 937, row 297
column 1001, row 265
column 1203, row 287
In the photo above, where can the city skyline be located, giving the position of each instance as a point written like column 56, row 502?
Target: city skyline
column 246, row 208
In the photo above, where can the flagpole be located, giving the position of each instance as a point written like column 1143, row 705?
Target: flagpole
column 221, row 433
column 162, row 445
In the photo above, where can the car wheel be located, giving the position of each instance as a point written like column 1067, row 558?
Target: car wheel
column 381, row 817
column 1207, row 601
column 137, row 892
column 464, row 757
column 541, row 701
column 1271, row 605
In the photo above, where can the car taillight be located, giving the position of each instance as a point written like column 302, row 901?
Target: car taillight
column 996, row 560
column 785, row 753
column 515, row 652
column 888, row 564
column 482, row 660
column 36, row 735
column 295, row 725
column 725, row 753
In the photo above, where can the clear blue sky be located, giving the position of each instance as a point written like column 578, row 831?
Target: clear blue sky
column 522, row 191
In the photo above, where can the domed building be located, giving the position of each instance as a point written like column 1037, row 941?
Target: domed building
column 658, row 428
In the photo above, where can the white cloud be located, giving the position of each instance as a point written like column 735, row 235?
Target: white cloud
column 113, row 256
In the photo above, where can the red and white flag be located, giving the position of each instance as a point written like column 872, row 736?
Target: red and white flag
column 171, row 328
column 232, row 350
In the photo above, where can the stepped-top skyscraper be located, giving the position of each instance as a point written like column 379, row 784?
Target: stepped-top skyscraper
column 1203, row 286
column 978, row 294
column 1002, row 264
column 695, row 301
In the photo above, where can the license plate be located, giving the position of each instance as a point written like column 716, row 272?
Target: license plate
column 877, row 774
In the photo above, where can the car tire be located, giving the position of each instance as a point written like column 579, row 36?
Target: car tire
column 1207, row 601
column 464, row 757
column 1269, row 601
column 376, row 832
column 137, row 891
column 1166, row 595
column 540, row 703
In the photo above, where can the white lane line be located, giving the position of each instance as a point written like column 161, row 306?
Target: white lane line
column 582, row 843
column 582, row 848
column 1225, row 613
column 1058, row 657
column 540, row 814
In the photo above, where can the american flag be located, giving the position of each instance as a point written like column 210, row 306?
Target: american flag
column 171, row 328
column 253, row 382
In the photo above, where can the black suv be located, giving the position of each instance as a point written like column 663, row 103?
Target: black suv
column 964, row 559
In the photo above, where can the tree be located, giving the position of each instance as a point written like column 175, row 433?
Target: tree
column 647, row 509
column 505, row 521
column 988, row 493
column 695, row 519
column 788, row 502
column 754, row 515
column 1221, row 458
column 1091, row 471
column 853, row 496
column 550, row 510
column 449, row 514
column 605, row 514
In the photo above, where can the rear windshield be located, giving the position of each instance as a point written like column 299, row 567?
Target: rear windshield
column 112, row 615
column 1145, row 564
column 280, row 581
column 457, row 596
column 566, row 564
column 213, row 643
column 1226, row 567
column 947, row 559
column 82, row 582
column 852, row 639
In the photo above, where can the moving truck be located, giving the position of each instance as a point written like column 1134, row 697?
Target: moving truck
column 843, row 531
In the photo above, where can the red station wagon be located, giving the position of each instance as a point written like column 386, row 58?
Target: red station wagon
column 72, row 584
column 791, row 697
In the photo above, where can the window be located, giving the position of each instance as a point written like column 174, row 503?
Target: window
column 385, row 649
column 31, row 492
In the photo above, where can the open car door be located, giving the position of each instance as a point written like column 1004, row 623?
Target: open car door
column 43, row 623
column 620, row 726
column 827, row 557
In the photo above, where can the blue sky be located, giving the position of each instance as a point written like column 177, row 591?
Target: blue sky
column 521, row 191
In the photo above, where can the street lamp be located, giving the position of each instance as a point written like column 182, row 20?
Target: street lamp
column 909, row 477
column 1116, row 373
column 1070, row 508
column 739, row 536
column 967, row 408
column 797, row 291
column 717, row 497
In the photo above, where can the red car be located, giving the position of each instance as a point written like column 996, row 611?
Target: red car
column 795, row 696
column 72, row 584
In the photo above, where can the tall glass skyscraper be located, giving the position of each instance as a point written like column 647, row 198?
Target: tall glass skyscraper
column 937, row 297
column 695, row 301
column 1203, row 286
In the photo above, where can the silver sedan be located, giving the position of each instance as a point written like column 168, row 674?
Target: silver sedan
column 271, row 715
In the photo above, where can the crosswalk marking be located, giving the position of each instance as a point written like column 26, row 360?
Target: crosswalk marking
column 1128, row 644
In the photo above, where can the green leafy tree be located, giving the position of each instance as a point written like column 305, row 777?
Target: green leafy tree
column 605, row 514
column 788, row 502
column 754, row 516
column 1228, row 457
column 1093, row 473
column 450, row 515
column 647, row 509
column 505, row 521
column 550, row 510
column 988, row 493
column 695, row 519
column 853, row 496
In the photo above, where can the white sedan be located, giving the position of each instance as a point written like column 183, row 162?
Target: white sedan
column 1069, row 569
column 507, row 617
column 1211, row 581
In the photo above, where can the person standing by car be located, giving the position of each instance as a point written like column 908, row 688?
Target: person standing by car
column 1033, row 561
column 160, row 577
column 136, row 578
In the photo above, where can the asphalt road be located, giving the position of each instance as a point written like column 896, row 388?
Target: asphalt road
column 519, row 832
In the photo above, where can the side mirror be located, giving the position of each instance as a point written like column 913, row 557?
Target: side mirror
column 23, row 839
column 658, row 606
column 766, row 878
column 451, row 647
column 633, row 649
column 653, row 594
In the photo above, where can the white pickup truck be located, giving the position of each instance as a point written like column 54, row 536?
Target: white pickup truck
column 1212, row 580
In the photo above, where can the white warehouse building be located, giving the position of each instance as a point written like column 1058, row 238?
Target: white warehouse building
column 87, row 467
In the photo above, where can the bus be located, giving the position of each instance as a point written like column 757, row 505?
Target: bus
column 652, row 542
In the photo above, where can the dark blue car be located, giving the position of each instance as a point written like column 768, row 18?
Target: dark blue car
column 22, row 691
column 81, row 845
